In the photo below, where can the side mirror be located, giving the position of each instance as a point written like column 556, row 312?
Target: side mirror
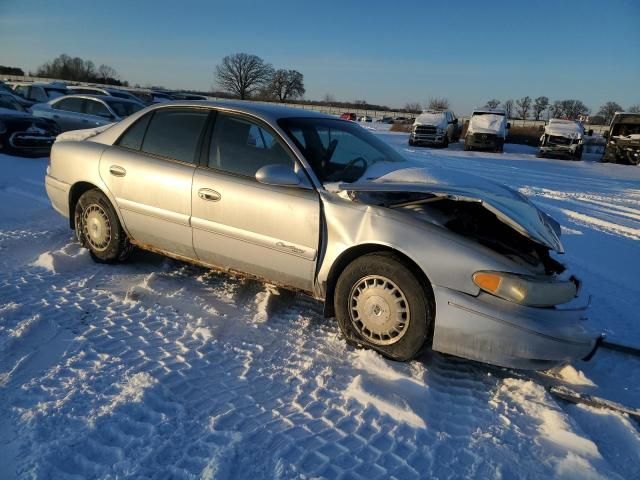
column 278, row 174
column 508, row 124
column 590, row 132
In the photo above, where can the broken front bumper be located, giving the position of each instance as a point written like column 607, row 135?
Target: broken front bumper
column 559, row 150
column 491, row 330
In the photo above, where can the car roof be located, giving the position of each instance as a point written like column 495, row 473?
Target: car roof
column 106, row 98
column 268, row 111
column 490, row 110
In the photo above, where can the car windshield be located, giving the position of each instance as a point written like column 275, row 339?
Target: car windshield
column 124, row 109
column 6, row 101
column 337, row 150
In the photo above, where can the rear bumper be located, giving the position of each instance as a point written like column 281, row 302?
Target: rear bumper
column 58, row 193
column 31, row 144
column 490, row 330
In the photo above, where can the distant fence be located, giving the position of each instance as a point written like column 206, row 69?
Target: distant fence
column 375, row 114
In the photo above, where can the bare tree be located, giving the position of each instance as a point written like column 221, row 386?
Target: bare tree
column 105, row 72
column 556, row 109
column 608, row 110
column 508, row 108
column 413, row 107
column 242, row 74
column 493, row 103
column 572, row 109
column 634, row 109
column 523, row 106
column 540, row 104
column 438, row 104
column 286, row 84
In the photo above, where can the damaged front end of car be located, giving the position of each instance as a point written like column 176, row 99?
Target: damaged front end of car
column 531, row 317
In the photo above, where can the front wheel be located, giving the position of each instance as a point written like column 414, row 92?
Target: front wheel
column 381, row 304
column 98, row 228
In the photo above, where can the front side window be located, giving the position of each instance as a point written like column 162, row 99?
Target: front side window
column 241, row 147
column 175, row 133
column 337, row 150
column 69, row 105
column 97, row 109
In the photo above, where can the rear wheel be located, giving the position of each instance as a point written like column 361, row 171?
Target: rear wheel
column 98, row 228
column 381, row 304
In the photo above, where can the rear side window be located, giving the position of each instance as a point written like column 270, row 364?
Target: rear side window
column 175, row 133
column 133, row 137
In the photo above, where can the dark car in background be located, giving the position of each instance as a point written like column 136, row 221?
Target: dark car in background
column 623, row 139
column 21, row 133
column 40, row 92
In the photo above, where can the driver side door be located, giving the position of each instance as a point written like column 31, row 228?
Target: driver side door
column 241, row 224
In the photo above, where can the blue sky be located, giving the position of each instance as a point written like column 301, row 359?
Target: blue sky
column 387, row 52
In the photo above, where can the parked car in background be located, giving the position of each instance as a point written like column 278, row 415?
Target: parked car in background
column 187, row 96
column 21, row 133
column 487, row 130
column 405, row 255
column 563, row 139
column 40, row 92
column 75, row 112
column 385, row 119
column 366, row 119
column 110, row 92
column 349, row 116
column 149, row 97
column 23, row 102
column 623, row 139
column 435, row 127
column 402, row 120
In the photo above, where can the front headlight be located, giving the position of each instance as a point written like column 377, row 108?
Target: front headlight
column 440, row 131
column 525, row 289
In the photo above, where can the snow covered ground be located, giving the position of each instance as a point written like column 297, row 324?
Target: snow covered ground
column 159, row 369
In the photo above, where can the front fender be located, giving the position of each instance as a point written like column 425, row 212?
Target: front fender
column 447, row 259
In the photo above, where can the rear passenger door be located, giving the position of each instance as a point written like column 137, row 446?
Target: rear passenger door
column 150, row 170
column 242, row 224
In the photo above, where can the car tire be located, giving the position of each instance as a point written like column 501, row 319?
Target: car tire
column 411, row 143
column 445, row 142
column 381, row 304
column 99, row 230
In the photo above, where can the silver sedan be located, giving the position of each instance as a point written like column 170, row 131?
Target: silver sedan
column 76, row 112
column 406, row 256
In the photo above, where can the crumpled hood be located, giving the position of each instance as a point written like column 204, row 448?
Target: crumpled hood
column 432, row 119
column 564, row 129
column 487, row 123
column 509, row 206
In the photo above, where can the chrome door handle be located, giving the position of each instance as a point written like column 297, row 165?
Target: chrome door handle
column 117, row 171
column 209, row 195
